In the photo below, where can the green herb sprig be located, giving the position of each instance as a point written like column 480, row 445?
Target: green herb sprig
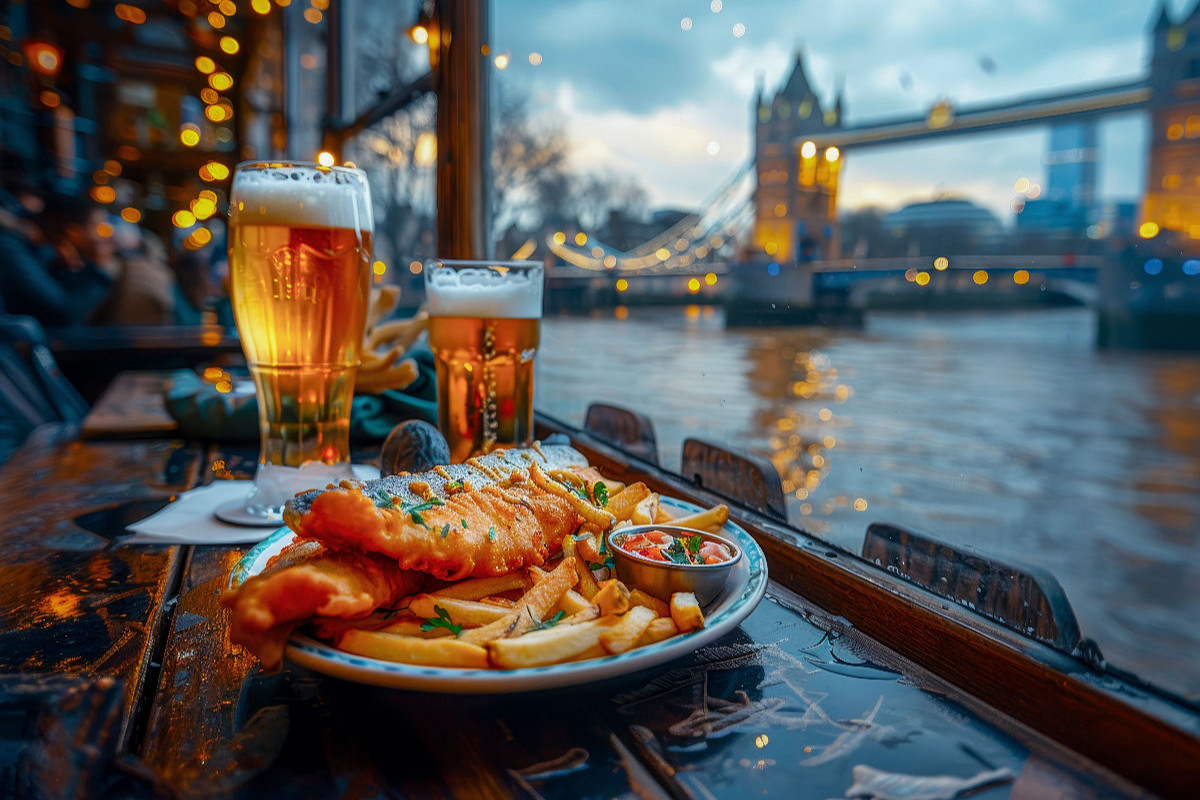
column 442, row 620
column 549, row 623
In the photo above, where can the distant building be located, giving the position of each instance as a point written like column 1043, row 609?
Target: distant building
column 1172, row 198
column 796, row 196
column 943, row 226
column 1068, row 203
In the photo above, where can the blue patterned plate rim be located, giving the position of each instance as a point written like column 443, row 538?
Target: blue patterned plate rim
column 746, row 587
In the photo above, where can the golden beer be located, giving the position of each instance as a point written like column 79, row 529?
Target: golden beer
column 484, row 330
column 300, row 267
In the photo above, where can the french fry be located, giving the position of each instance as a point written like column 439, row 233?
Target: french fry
column 613, row 597
column 468, row 613
column 661, row 628
column 587, row 581
column 533, row 607
column 662, row 515
column 410, row 625
column 585, row 548
column 685, row 611
column 621, row 504
column 479, row 588
column 445, row 652
column 550, row 646
column 645, row 511
column 639, row 598
column 625, row 633
column 573, row 602
column 711, row 520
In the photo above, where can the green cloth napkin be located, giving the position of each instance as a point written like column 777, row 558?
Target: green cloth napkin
column 203, row 413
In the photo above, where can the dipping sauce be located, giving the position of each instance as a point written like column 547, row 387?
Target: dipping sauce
column 661, row 546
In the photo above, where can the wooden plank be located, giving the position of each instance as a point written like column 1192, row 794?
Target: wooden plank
column 1148, row 738
column 131, row 405
column 70, row 600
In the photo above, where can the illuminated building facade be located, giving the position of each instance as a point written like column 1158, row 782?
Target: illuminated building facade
column 796, row 197
column 1172, row 198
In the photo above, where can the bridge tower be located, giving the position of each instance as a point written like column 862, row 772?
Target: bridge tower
column 1172, row 197
column 796, row 197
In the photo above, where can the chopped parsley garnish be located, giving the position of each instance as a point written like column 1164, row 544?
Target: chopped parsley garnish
column 692, row 543
column 453, row 486
column 445, row 530
column 600, row 493
column 414, row 512
column 492, row 533
column 442, row 620
column 464, row 524
column 384, row 500
column 684, row 549
column 549, row 623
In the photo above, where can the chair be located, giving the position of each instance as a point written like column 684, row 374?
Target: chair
column 33, row 391
column 628, row 430
column 745, row 478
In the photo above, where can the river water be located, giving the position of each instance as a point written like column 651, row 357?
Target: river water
column 1007, row 431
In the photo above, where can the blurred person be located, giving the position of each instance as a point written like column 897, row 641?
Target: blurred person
column 143, row 292
column 49, row 264
column 195, row 286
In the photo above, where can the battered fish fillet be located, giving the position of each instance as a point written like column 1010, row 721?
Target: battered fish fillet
column 306, row 580
column 485, row 517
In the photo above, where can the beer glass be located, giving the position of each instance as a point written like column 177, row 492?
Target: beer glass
column 300, row 277
column 484, row 329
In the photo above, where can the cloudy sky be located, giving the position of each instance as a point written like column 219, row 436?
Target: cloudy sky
column 638, row 94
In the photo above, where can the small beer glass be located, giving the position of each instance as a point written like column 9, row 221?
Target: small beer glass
column 300, row 276
column 484, row 330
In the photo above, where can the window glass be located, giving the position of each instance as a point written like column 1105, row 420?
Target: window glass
column 938, row 268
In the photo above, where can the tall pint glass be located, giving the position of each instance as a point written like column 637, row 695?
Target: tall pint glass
column 484, row 330
column 300, row 276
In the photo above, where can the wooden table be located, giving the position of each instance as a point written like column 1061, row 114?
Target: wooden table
column 837, row 673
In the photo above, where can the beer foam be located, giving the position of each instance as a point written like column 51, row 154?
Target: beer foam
column 483, row 293
column 301, row 196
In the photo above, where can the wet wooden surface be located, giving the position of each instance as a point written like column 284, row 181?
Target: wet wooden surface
column 795, row 702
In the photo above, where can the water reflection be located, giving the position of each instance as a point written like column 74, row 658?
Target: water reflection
column 1006, row 431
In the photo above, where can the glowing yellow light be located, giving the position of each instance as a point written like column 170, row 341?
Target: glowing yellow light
column 112, row 167
column 129, row 13
column 832, row 154
column 209, row 95
column 216, row 19
column 224, row 386
column 379, row 267
column 230, row 45
column 808, row 149
column 319, row 4
column 622, row 285
column 216, row 171
column 201, row 236
column 103, row 194
column 212, row 375
column 425, row 153
column 761, row 741
column 693, row 285
column 621, row 312
column 416, row 267
column 220, row 81
column 829, row 442
column 581, row 238
column 1148, row 230
column 860, row 504
column 261, row 6
column 131, row 214
column 419, row 34
column 325, row 158
column 502, row 61
column 227, row 7
column 313, row 16
column 1021, row 185
column 770, row 248
column 1175, row 131
column 215, row 113
column 922, row 278
column 910, row 274
column 183, row 219
column 711, row 279
column 283, row 3
column 104, row 230
column 204, row 208
column 560, row 238
column 940, row 263
column 662, row 254
column 535, row 59
column 980, row 277
column 49, row 98
column 780, row 209
column 1021, row 277
column 610, row 262
column 1034, row 191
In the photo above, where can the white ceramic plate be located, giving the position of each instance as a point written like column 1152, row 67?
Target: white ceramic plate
column 747, row 583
